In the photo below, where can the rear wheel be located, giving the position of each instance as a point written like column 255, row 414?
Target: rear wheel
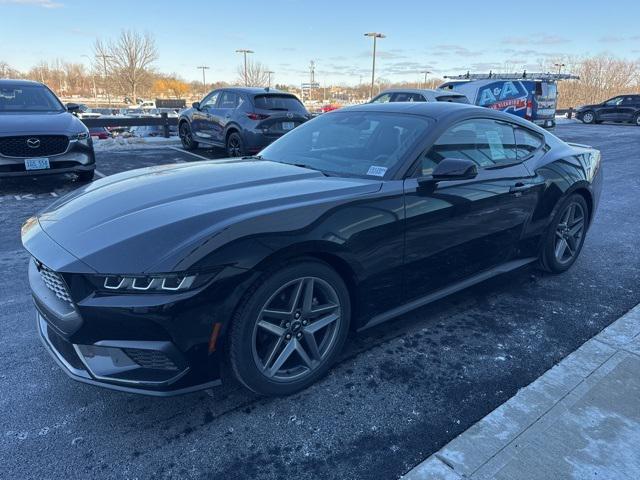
column 636, row 119
column 589, row 117
column 235, row 145
column 289, row 328
column 564, row 239
column 186, row 137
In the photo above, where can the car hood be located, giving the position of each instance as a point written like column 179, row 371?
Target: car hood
column 149, row 220
column 62, row 123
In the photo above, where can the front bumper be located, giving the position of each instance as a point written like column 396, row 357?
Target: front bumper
column 79, row 157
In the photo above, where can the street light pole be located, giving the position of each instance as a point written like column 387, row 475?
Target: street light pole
column 375, row 36
column 204, row 83
column 244, row 51
column 559, row 65
column 269, row 73
column 426, row 72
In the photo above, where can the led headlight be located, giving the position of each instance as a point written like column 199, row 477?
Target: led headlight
column 172, row 283
column 82, row 137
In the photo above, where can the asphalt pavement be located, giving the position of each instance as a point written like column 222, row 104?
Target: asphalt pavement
column 400, row 392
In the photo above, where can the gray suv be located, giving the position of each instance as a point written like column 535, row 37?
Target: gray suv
column 242, row 120
column 39, row 135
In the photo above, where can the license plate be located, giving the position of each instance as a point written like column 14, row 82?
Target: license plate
column 36, row 163
column 288, row 125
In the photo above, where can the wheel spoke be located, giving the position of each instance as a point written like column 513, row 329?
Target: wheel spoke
column 303, row 355
column 283, row 357
column 322, row 309
column 561, row 247
column 279, row 314
column 307, row 302
column 273, row 352
column 312, row 345
column 321, row 323
column 297, row 293
column 271, row 328
column 571, row 244
column 577, row 228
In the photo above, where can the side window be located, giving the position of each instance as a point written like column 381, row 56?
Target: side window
column 527, row 142
column 629, row 101
column 210, row 101
column 384, row 98
column 613, row 102
column 229, row 100
column 486, row 142
column 408, row 97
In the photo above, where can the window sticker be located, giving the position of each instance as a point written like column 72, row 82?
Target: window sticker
column 377, row 171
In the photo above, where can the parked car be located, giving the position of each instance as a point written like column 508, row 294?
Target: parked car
column 84, row 111
column 39, row 135
column 152, row 280
column 530, row 98
column 623, row 108
column 419, row 95
column 101, row 133
column 241, row 120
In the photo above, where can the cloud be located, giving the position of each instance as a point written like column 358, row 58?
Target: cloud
column 618, row 39
column 392, row 54
column 535, row 40
column 35, row 3
column 442, row 50
column 528, row 52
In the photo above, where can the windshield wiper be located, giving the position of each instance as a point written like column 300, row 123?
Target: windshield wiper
column 304, row 165
column 253, row 157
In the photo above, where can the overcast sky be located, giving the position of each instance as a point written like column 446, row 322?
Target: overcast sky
column 444, row 37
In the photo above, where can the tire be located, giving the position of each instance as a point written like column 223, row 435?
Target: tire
column 186, row 137
column 234, row 145
column 572, row 216
column 636, row 119
column 589, row 117
column 256, row 353
column 86, row 176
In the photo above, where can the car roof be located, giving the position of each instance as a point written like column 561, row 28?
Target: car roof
column 9, row 81
column 428, row 91
column 255, row 90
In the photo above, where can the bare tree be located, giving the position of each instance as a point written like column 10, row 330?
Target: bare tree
column 256, row 76
column 7, row 72
column 129, row 60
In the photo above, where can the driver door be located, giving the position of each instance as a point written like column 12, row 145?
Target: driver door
column 455, row 229
column 203, row 123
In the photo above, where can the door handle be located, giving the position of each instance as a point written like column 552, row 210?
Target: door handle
column 520, row 187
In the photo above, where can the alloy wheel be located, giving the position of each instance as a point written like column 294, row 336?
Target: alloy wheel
column 588, row 117
column 185, row 135
column 296, row 329
column 569, row 232
column 233, row 146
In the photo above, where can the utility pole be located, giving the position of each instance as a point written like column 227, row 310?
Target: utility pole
column 559, row 65
column 426, row 72
column 269, row 73
column 244, row 51
column 375, row 36
column 204, row 82
column 104, row 64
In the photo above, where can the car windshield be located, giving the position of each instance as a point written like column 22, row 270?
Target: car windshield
column 28, row 98
column 366, row 144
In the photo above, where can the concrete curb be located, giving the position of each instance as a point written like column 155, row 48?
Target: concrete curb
column 490, row 447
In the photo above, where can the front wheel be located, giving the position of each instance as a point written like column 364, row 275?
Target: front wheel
column 589, row 117
column 186, row 137
column 564, row 239
column 290, row 328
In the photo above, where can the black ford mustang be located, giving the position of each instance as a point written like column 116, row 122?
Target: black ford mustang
column 153, row 279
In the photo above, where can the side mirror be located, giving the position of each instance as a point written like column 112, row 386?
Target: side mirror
column 454, row 169
column 73, row 107
column 196, row 105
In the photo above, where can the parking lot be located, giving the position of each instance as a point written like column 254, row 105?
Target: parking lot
column 399, row 393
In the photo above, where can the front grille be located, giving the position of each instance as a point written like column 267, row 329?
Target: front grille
column 33, row 145
column 153, row 359
column 54, row 282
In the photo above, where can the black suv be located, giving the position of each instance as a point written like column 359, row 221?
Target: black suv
column 241, row 120
column 623, row 108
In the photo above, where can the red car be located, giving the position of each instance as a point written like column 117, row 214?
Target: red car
column 100, row 132
column 329, row 107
